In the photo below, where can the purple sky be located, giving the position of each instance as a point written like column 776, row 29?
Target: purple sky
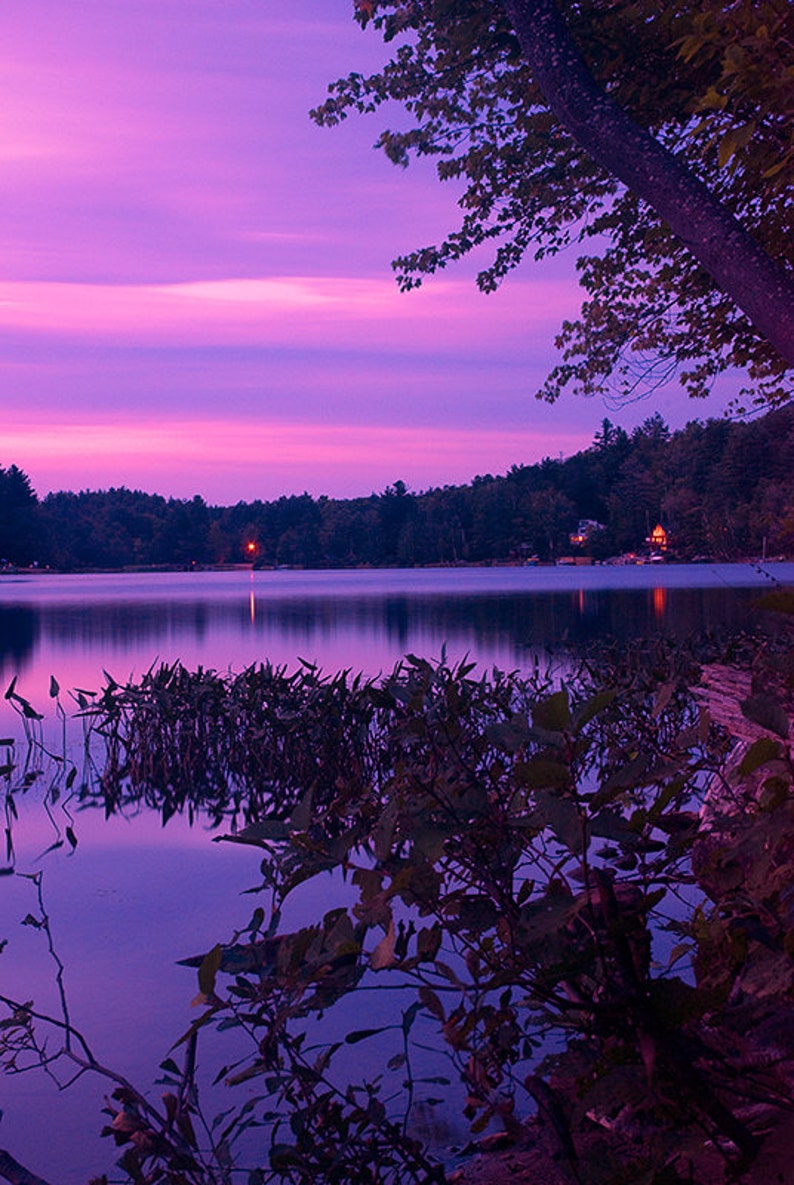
column 195, row 290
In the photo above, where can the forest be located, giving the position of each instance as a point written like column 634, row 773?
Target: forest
column 721, row 489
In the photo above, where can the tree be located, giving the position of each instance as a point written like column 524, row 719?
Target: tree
column 396, row 512
column 183, row 537
column 20, row 527
column 663, row 129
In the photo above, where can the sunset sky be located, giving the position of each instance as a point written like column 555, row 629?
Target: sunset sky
column 195, row 290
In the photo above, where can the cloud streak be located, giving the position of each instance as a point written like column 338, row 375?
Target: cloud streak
column 345, row 459
column 195, row 290
column 306, row 310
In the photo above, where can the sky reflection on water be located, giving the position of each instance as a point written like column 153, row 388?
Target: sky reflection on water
column 74, row 626
column 135, row 896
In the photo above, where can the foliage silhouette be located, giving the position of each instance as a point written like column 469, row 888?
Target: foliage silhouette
column 546, row 869
column 655, row 136
column 721, row 488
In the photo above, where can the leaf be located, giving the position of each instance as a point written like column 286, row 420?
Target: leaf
column 553, row 713
column 627, row 777
column 663, row 697
column 54, row 847
column 477, row 912
column 510, row 735
column 384, row 829
column 761, row 752
column 728, row 145
column 541, row 919
column 429, row 841
column 593, row 707
column 772, row 171
column 774, row 793
column 284, row 1156
column 210, row 965
column 653, row 898
column 28, row 711
column 763, row 710
column 383, row 954
column 611, row 824
column 561, row 815
column 432, row 1003
column 257, row 918
column 410, row 1015
column 364, row 1034
column 301, row 816
column 542, row 774
column 449, row 973
column 480, row 1124
column 428, row 943
column 269, row 830
column 678, row 1002
column 204, row 1019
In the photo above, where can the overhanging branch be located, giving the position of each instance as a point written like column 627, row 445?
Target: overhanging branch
column 763, row 290
column 16, row 1173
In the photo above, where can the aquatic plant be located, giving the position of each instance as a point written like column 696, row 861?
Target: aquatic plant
column 547, row 871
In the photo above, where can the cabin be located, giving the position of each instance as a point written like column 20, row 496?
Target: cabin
column 659, row 538
column 586, row 528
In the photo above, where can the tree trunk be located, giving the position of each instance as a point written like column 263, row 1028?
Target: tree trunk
column 762, row 290
column 16, row 1173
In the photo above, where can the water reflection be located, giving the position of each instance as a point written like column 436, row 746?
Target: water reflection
column 19, row 635
column 169, row 891
column 659, row 603
column 515, row 619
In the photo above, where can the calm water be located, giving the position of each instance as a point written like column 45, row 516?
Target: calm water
column 134, row 897
column 73, row 626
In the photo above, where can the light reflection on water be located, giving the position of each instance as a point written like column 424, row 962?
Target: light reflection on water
column 134, row 896
column 659, row 603
column 73, row 626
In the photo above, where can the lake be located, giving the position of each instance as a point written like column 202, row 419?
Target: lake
column 74, row 626
column 134, row 897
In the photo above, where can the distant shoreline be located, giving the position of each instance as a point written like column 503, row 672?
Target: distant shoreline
column 564, row 562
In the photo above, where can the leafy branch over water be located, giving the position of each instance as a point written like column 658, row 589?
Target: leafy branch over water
column 529, row 861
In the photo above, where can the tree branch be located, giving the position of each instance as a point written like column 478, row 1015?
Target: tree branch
column 16, row 1173
column 763, row 290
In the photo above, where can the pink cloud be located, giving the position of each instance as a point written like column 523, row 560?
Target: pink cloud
column 155, row 137
column 185, row 258
column 229, row 460
column 305, row 310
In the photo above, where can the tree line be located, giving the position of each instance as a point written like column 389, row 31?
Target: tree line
column 721, row 489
